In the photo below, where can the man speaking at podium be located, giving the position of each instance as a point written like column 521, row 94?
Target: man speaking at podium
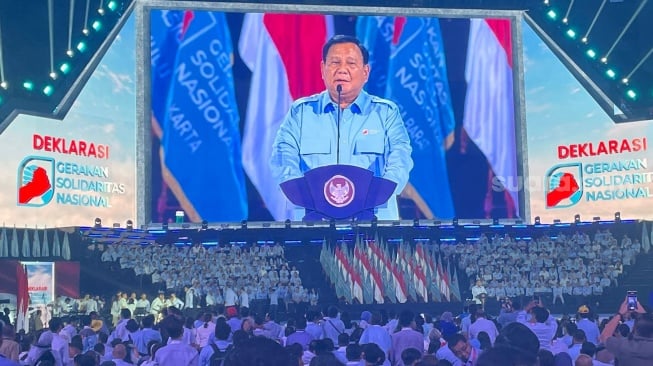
column 344, row 125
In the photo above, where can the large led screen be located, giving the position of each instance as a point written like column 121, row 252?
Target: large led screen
column 222, row 84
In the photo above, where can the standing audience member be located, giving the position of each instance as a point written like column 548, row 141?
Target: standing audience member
column 406, row 337
column 176, row 352
column 9, row 348
column 634, row 351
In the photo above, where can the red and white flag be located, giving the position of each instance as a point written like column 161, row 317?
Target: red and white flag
column 284, row 52
column 489, row 118
column 22, row 298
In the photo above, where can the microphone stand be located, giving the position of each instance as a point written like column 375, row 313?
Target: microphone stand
column 339, row 89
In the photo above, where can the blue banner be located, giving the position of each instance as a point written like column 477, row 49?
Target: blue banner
column 201, row 142
column 164, row 40
column 375, row 33
column 417, row 81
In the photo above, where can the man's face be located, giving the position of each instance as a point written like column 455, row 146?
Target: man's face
column 462, row 350
column 344, row 66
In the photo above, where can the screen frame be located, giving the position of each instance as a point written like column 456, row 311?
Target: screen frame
column 142, row 10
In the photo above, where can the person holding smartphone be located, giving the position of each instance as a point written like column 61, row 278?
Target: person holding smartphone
column 638, row 349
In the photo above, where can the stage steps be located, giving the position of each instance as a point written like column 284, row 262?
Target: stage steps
column 307, row 260
column 638, row 277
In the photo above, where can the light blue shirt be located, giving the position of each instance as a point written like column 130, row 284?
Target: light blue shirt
column 372, row 136
column 177, row 353
column 142, row 337
column 207, row 352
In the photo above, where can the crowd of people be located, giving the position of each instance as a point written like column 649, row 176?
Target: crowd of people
column 526, row 336
column 257, row 277
column 552, row 267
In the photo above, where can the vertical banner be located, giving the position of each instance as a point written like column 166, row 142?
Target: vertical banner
column 200, row 153
column 408, row 66
column 40, row 282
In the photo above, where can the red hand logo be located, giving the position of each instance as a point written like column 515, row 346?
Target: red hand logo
column 566, row 187
column 39, row 184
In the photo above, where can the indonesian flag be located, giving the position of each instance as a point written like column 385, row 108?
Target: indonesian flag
column 22, row 298
column 489, row 107
column 443, row 279
column 401, row 291
column 284, row 52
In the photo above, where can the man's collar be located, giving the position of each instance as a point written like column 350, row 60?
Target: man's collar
column 357, row 106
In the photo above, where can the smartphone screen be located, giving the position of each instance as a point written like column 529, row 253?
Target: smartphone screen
column 632, row 300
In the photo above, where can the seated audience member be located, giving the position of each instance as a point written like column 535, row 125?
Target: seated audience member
column 258, row 351
column 353, row 353
column 325, row 359
column 373, row 355
column 583, row 360
column 464, row 351
column 410, row 356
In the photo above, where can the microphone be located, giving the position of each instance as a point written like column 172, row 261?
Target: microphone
column 339, row 90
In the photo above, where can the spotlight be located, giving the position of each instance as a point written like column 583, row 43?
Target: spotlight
column 28, row 85
column 65, row 68
column 610, row 73
column 243, row 224
column 205, row 225
column 97, row 223
column 53, row 75
column 584, row 40
column 86, row 31
column 81, row 47
column 617, row 216
column 130, row 225
column 571, row 33
column 576, row 219
column 537, row 220
column 70, row 53
column 287, row 222
column 112, row 5
column 624, row 80
column 4, row 85
column 604, row 60
column 565, row 20
column 631, row 94
column 552, row 14
column 591, row 53
column 97, row 25
column 48, row 90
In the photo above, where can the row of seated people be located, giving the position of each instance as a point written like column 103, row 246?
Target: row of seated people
column 519, row 336
column 564, row 265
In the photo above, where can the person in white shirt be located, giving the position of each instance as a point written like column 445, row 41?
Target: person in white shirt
column 204, row 331
column 173, row 300
column 244, row 298
column 541, row 323
column 190, row 297
column 477, row 290
column 481, row 324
